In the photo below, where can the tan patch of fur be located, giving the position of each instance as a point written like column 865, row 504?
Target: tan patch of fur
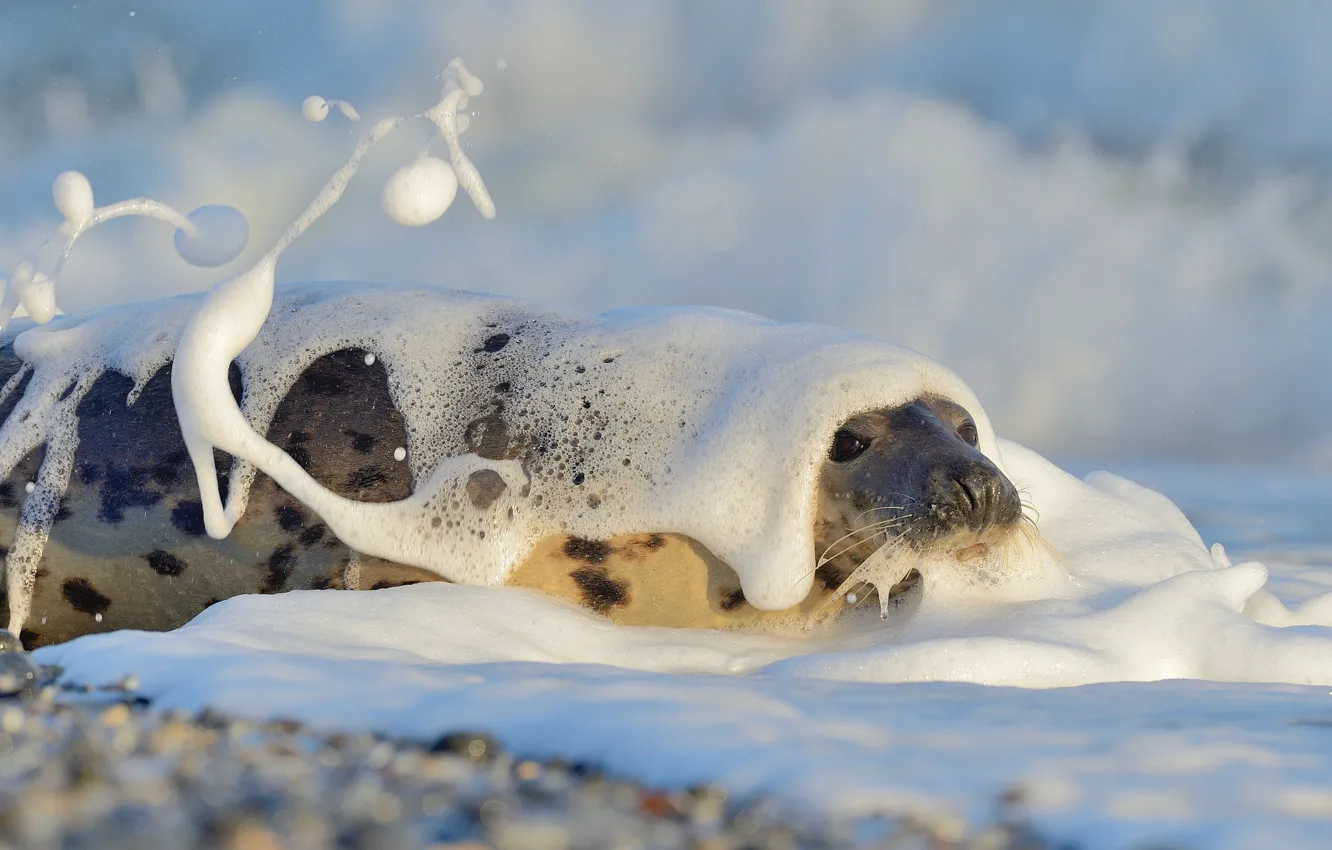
column 672, row 580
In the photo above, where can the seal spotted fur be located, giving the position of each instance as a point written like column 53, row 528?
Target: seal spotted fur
column 128, row 549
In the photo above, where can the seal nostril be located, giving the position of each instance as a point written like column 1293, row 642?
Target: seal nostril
column 972, row 501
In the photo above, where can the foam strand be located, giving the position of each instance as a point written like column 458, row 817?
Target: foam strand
column 234, row 311
column 146, row 207
column 38, row 515
column 13, row 383
column 459, row 87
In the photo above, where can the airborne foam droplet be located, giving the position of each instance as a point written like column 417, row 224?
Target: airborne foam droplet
column 73, row 196
column 399, row 453
column 369, row 359
column 38, row 298
column 29, row 487
column 222, row 235
column 315, row 108
column 419, row 193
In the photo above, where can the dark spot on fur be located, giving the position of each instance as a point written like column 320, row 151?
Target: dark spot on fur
column 488, row 436
column 600, row 592
column 83, row 597
column 365, row 477
column 655, row 542
column 280, row 565
column 29, row 639
column 321, row 382
column 123, row 489
column 830, row 577
column 165, row 475
column 301, row 456
column 733, row 600
column 589, row 551
column 494, row 343
column 63, row 512
column 7, row 499
column 483, row 487
column 164, row 563
column 89, row 473
column 187, row 517
column 386, row 584
column 289, row 517
column 295, row 438
column 321, row 583
column 313, row 534
column 363, row 443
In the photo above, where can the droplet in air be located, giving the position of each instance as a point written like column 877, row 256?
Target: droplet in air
column 38, row 298
column 315, row 108
column 399, row 453
column 222, row 234
column 419, row 193
column 851, row 599
column 502, row 65
column 97, row 617
column 29, row 487
column 369, row 359
column 73, row 196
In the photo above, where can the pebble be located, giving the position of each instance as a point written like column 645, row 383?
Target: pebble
column 103, row 768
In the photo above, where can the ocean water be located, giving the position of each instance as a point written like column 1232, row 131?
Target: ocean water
column 1112, row 221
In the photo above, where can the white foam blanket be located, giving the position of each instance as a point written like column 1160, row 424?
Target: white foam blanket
column 704, row 422
column 724, row 419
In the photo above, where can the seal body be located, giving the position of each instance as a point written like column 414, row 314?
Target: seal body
column 128, row 549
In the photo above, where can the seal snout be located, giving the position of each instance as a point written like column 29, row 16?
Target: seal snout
column 966, row 493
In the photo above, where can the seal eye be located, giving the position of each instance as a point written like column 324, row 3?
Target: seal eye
column 846, row 446
column 967, row 431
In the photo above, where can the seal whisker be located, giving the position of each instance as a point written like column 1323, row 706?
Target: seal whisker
column 877, row 528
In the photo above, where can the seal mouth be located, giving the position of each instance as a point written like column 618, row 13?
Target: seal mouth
column 972, row 552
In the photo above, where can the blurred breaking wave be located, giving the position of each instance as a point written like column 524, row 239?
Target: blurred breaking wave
column 1112, row 220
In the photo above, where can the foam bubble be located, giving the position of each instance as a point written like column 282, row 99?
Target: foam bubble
column 73, row 196
column 221, row 233
column 421, row 192
column 315, row 108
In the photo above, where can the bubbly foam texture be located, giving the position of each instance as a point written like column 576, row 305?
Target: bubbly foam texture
column 708, row 423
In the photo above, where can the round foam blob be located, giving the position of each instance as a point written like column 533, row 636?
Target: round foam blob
column 222, row 234
column 73, row 196
column 419, row 193
column 315, row 108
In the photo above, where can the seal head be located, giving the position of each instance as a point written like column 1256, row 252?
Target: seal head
column 910, row 476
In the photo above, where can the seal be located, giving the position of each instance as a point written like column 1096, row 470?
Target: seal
column 128, row 549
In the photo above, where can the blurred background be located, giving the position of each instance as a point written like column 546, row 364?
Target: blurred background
column 1112, row 219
